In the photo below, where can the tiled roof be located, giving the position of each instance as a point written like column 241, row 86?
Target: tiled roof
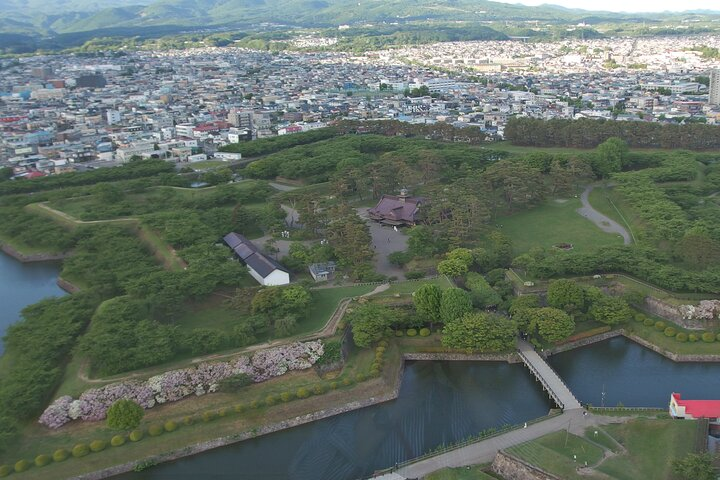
column 249, row 253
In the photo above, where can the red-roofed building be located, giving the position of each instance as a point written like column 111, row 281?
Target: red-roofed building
column 694, row 409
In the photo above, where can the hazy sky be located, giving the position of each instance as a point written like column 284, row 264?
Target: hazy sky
column 627, row 5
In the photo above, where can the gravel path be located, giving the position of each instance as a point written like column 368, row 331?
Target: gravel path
column 605, row 224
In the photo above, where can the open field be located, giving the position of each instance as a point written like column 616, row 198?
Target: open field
column 551, row 223
column 649, row 445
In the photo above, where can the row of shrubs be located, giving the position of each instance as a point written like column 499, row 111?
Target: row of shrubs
column 413, row 332
column 154, row 430
column 670, row 331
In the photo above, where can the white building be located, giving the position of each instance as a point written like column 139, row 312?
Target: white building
column 714, row 97
column 113, row 117
column 264, row 269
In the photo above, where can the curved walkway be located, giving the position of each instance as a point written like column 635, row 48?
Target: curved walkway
column 606, row 224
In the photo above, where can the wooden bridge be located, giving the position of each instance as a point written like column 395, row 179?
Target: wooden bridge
column 550, row 381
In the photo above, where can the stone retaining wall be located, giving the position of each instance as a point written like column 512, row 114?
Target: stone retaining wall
column 676, row 357
column 583, row 342
column 510, row 467
column 67, row 286
column 239, row 437
column 479, row 357
column 36, row 257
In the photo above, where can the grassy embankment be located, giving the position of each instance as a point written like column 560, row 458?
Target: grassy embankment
column 640, row 448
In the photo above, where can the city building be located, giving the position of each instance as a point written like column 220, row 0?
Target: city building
column 694, row 409
column 397, row 210
column 714, row 97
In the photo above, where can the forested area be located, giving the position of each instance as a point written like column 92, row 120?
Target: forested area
column 134, row 169
column 587, row 133
column 263, row 146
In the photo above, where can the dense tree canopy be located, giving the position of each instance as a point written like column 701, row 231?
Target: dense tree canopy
column 454, row 303
column 480, row 332
column 369, row 323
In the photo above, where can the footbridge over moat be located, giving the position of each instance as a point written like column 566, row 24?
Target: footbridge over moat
column 550, row 381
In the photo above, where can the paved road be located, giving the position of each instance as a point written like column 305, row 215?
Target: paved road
column 559, row 390
column 485, row 451
column 385, row 241
column 605, row 224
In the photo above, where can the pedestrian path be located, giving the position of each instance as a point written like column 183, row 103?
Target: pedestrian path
column 485, row 451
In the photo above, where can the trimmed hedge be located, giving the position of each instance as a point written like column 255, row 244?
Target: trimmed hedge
column 22, row 465
column 302, row 392
column 222, row 412
column 60, row 455
column 286, row 396
column 98, row 445
column 692, row 337
column 360, row 377
column 681, row 337
column 42, row 460
column 254, row 404
column 208, row 416
column 5, row 471
column 239, row 408
column 425, row 332
column 708, row 337
column 399, row 333
column 660, row 325
column 318, row 389
column 170, row 426
column 670, row 332
column 411, row 332
column 117, row 441
column 136, row 435
column 188, row 420
column 640, row 317
column 80, row 450
column 346, row 381
column 155, row 430
column 648, row 322
column 270, row 400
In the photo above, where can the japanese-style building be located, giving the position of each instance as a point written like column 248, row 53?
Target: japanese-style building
column 397, row 210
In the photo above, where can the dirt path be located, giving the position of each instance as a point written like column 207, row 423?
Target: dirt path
column 606, row 224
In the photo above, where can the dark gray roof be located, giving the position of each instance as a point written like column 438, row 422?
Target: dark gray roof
column 249, row 253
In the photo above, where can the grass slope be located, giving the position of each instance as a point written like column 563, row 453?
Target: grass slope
column 554, row 222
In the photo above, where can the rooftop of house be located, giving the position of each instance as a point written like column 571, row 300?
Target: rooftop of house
column 699, row 408
column 250, row 254
column 398, row 208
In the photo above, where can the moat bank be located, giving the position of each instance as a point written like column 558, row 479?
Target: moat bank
column 22, row 284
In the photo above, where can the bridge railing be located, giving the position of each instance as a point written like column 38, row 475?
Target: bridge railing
column 542, row 380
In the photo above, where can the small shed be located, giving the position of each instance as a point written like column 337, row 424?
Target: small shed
column 264, row 269
column 322, row 271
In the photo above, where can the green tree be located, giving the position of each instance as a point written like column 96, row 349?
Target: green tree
column 552, row 324
column 611, row 156
column 698, row 248
column 566, row 295
column 521, row 311
column 452, row 268
column 481, row 293
column 695, row 466
column 610, row 310
column 454, row 303
column 421, row 242
column 369, row 323
column 480, row 332
column 463, row 255
column 124, row 415
column 427, row 302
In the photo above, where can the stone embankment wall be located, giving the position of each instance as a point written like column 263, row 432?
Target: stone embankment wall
column 67, row 286
column 480, row 357
column 512, row 468
column 36, row 257
column 676, row 357
column 582, row 342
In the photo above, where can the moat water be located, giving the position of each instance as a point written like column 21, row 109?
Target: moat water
column 22, row 284
column 439, row 402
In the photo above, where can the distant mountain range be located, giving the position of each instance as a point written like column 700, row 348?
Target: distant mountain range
column 43, row 17
column 52, row 17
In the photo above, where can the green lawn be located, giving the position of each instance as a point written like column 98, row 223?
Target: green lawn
column 474, row 472
column 551, row 223
column 208, row 164
column 554, row 453
column 656, row 337
column 407, row 288
column 325, row 301
column 651, row 445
